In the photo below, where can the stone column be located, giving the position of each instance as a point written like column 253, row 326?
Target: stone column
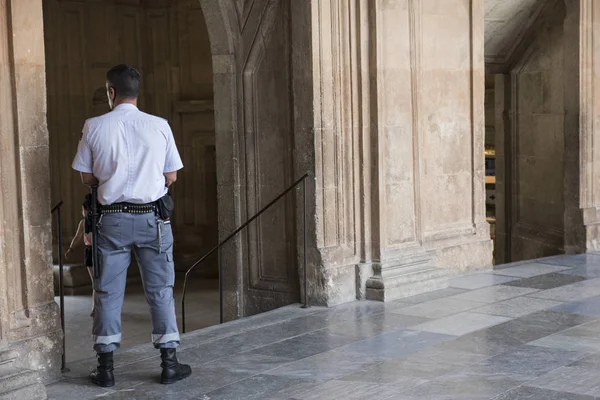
column 30, row 335
column 589, row 146
column 429, row 70
column 399, row 139
column 341, row 100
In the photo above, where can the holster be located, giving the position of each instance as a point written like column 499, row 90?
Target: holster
column 165, row 207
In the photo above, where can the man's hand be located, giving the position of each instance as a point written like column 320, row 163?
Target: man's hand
column 88, row 179
column 170, row 178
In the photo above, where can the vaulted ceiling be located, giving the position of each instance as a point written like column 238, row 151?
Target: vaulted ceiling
column 507, row 23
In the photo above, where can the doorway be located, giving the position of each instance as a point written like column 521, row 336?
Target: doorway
column 169, row 44
column 525, row 102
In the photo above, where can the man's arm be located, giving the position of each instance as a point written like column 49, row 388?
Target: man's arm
column 170, row 178
column 83, row 162
column 172, row 159
column 88, row 179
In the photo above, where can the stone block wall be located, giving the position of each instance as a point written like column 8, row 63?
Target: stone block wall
column 29, row 323
column 399, row 138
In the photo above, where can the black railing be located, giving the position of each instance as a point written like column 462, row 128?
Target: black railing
column 217, row 249
column 61, row 286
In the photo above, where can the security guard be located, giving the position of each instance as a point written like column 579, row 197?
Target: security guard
column 133, row 159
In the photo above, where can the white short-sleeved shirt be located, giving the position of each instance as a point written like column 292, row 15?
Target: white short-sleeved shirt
column 128, row 151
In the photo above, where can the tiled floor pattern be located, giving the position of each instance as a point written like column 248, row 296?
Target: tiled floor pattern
column 526, row 331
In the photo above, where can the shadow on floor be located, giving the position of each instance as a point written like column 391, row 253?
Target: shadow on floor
column 202, row 307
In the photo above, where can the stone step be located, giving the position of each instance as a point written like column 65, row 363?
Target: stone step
column 20, row 384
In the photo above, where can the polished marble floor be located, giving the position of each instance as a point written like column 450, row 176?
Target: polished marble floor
column 525, row 331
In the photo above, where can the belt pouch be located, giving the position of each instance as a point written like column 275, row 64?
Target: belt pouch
column 165, row 207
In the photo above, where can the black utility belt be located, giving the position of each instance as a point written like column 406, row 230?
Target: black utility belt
column 130, row 208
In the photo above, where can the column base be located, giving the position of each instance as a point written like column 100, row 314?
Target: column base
column 409, row 276
column 37, row 343
column 17, row 383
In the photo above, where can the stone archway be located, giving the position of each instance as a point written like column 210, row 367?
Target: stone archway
column 256, row 143
column 220, row 20
column 256, row 150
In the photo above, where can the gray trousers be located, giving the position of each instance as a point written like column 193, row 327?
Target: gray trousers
column 152, row 243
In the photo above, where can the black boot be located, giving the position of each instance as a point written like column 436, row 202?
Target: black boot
column 172, row 370
column 103, row 374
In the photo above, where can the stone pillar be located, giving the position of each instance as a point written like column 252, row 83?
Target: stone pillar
column 30, row 335
column 399, row 139
column 589, row 146
column 430, row 74
column 337, row 128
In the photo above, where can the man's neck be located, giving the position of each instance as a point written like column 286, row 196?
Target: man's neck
column 125, row 101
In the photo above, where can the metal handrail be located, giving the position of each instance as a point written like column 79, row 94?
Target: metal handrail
column 61, row 286
column 302, row 181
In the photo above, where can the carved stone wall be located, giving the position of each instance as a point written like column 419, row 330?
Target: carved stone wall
column 399, row 137
column 29, row 325
column 588, row 168
column 382, row 100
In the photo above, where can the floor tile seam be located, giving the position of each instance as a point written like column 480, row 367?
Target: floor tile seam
column 249, row 330
column 589, row 323
column 532, row 379
column 508, row 319
column 228, row 384
column 253, row 348
column 281, row 341
column 243, row 330
column 518, row 297
column 561, row 333
column 321, row 383
column 507, row 286
column 332, row 350
column 399, row 392
column 264, row 373
column 531, row 383
column 512, row 276
column 431, row 319
column 503, row 316
column 536, row 294
column 547, row 262
column 486, row 358
column 280, row 322
column 355, row 372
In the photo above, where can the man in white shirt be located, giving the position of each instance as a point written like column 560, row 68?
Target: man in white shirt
column 133, row 159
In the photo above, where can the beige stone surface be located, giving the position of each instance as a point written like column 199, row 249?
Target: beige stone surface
column 28, row 315
column 381, row 101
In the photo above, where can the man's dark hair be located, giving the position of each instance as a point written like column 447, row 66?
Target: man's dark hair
column 125, row 80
